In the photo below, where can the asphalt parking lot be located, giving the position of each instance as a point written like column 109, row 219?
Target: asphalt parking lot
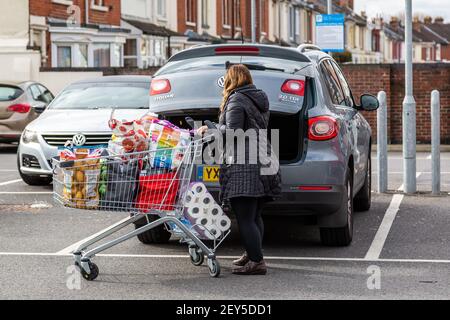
column 400, row 250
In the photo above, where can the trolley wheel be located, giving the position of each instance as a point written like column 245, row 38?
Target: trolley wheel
column 93, row 274
column 214, row 268
column 197, row 257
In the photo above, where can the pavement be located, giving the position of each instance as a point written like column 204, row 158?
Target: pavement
column 400, row 250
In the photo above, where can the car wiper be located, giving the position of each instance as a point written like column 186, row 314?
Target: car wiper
column 250, row 66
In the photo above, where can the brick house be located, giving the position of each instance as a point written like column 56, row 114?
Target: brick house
column 78, row 33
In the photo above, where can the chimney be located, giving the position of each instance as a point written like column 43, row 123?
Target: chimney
column 428, row 20
column 416, row 24
column 439, row 20
column 394, row 23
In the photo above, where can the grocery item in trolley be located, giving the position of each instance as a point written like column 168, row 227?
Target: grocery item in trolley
column 168, row 144
column 81, row 177
column 118, row 182
column 157, row 191
column 129, row 136
column 204, row 214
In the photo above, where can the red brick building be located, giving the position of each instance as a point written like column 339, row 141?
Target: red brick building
column 71, row 35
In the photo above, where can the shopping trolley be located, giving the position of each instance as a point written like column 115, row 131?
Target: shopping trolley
column 134, row 186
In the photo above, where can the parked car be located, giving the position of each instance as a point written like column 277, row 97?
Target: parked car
column 81, row 110
column 325, row 142
column 20, row 103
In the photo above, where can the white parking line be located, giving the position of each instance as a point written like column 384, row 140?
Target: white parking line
column 182, row 256
column 9, row 182
column 25, row 192
column 75, row 246
column 383, row 231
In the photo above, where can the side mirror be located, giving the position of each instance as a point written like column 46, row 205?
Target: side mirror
column 40, row 107
column 369, row 102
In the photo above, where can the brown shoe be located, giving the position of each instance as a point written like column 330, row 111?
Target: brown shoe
column 251, row 268
column 242, row 261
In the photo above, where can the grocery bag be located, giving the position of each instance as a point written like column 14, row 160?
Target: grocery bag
column 157, row 191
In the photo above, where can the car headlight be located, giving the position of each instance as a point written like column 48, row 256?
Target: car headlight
column 29, row 136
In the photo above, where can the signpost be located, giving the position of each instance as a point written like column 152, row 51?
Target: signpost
column 330, row 32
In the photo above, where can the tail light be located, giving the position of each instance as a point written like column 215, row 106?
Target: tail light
column 296, row 87
column 160, row 86
column 248, row 50
column 20, row 108
column 322, row 128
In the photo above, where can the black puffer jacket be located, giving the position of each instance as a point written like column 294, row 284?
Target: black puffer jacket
column 247, row 108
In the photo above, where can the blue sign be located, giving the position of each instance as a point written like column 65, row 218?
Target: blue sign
column 330, row 32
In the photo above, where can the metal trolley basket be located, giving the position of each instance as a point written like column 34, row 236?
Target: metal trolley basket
column 127, row 177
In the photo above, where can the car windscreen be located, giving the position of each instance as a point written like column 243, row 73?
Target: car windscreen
column 103, row 96
column 219, row 62
column 9, row 93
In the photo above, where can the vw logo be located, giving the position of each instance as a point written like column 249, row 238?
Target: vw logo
column 79, row 139
column 221, row 81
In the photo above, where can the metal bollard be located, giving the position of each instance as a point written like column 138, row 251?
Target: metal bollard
column 435, row 143
column 382, row 143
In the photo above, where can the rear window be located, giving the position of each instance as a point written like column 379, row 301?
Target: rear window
column 219, row 62
column 9, row 93
column 104, row 96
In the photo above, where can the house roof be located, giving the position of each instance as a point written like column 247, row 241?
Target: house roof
column 153, row 29
column 101, row 28
column 443, row 30
column 426, row 34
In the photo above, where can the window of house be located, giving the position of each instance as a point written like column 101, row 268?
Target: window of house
column 83, row 55
column 99, row 5
column 297, row 26
column 205, row 13
column 292, row 23
column 428, row 54
column 130, row 53
column 64, row 56
column 117, row 53
column 263, row 16
column 102, row 55
column 161, row 8
column 190, row 11
column 226, row 10
column 237, row 10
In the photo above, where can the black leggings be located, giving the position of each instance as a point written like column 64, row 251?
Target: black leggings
column 251, row 226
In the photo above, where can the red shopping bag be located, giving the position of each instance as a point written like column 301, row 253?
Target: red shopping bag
column 158, row 191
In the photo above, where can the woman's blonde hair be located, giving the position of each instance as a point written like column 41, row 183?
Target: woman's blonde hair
column 237, row 76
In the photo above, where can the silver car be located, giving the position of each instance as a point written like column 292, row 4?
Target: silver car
column 80, row 111
column 325, row 142
column 20, row 103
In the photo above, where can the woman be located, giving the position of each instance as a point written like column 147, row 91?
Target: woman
column 243, row 185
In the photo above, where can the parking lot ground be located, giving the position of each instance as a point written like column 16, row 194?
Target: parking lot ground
column 404, row 237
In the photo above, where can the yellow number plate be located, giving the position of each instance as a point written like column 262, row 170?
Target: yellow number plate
column 209, row 173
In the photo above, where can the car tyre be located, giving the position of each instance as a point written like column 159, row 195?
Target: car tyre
column 158, row 235
column 33, row 180
column 363, row 198
column 340, row 237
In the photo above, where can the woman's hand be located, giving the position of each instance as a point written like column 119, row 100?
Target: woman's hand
column 202, row 130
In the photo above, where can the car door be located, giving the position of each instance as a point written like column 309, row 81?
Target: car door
column 41, row 97
column 344, row 109
column 363, row 134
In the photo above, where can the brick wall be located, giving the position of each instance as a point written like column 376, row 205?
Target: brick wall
column 390, row 78
column 48, row 8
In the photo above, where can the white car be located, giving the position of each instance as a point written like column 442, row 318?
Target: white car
column 80, row 113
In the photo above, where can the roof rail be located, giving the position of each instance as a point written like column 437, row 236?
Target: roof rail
column 308, row 46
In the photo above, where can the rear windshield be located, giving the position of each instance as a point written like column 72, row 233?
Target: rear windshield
column 8, row 93
column 104, row 96
column 219, row 62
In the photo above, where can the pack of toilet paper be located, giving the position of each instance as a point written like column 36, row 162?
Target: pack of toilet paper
column 204, row 214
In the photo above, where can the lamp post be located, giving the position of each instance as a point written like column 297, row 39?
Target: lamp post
column 253, row 21
column 409, row 110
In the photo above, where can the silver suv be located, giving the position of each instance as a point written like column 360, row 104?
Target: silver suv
column 80, row 113
column 325, row 141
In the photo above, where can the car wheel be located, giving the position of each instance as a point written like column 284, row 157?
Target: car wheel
column 156, row 235
column 33, row 180
column 339, row 237
column 363, row 198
